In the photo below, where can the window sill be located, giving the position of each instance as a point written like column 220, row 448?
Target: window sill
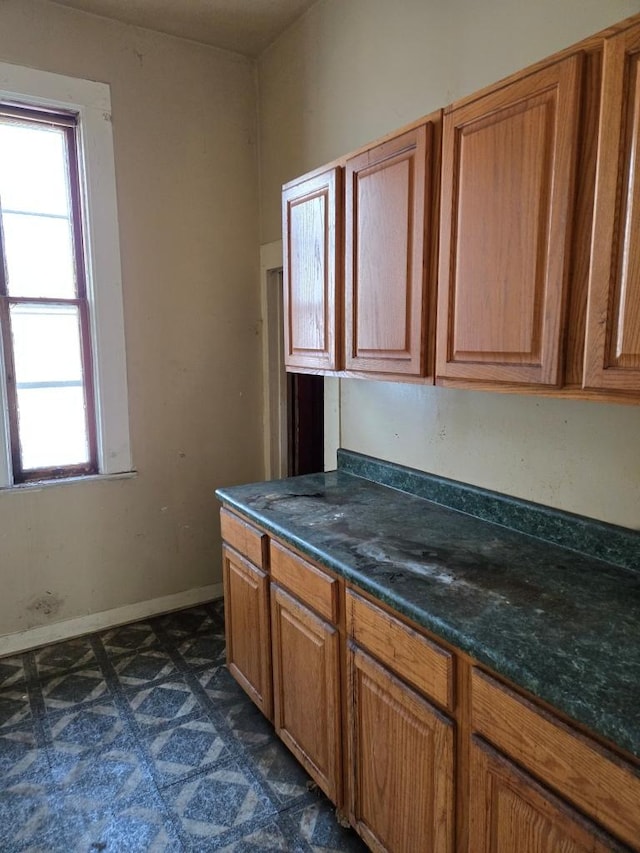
column 37, row 485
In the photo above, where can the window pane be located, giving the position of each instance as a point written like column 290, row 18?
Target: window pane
column 39, row 256
column 51, row 402
column 52, row 427
column 33, row 169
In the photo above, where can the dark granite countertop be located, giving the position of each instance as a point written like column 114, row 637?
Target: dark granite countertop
column 562, row 624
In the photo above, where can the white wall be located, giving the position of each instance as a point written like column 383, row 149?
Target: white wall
column 184, row 122
column 349, row 72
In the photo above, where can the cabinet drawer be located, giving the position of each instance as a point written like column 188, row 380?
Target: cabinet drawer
column 411, row 656
column 307, row 582
column 245, row 538
column 597, row 782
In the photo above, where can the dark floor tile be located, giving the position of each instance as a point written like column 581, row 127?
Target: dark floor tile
column 159, row 704
column 203, row 650
column 284, row 778
column 91, row 728
column 247, row 724
column 64, row 657
column 69, row 690
column 12, row 673
column 128, row 638
column 101, row 776
column 317, row 824
column 220, row 687
column 212, row 806
column 88, row 728
column 15, row 707
column 21, row 760
column 262, row 840
column 142, row 667
column 194, row 620
column 216, row 609
column 185, row 749
column 140, row 825
column 28, row 820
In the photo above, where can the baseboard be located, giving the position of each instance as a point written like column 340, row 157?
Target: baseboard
column 22, row 641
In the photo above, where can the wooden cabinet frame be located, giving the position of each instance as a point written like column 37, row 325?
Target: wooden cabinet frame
column 248, row 627
column 612, row 349
column 312, row 272
column 390, row 213
column 504, row 242
column 307, row 709
column 389, row 797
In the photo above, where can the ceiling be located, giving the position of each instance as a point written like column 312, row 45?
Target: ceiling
column 244, row 26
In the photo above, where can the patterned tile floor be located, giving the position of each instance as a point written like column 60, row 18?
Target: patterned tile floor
column 137, row 739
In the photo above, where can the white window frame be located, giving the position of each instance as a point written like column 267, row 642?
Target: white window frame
column 92, row 102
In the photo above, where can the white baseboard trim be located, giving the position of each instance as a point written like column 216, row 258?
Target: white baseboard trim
column 22, row 641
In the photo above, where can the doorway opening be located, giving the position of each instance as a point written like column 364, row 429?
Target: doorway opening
column 305, row 438
column 294, row 402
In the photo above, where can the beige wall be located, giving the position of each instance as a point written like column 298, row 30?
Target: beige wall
column 186, row 168
column 348, row 72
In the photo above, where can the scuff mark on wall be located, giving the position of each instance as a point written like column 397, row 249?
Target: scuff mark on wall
column 47, row 605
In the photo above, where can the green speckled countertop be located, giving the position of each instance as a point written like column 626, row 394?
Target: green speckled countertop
column 562, row 624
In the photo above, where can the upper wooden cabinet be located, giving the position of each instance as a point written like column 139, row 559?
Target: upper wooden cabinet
column 389, row 216
column 612, row 351
column 515, row 212
column 312, row 271
column 507, row 197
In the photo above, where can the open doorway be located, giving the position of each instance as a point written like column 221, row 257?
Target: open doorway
column 294, row 402
column 305, row 439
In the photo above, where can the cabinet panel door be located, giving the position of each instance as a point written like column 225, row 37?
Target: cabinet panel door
column 507, row 203
column 248, row 636
column 509, row 811
column 306, row 681
column 612, row 350
column 388, row 199
column 401, row 760
column 311, row 271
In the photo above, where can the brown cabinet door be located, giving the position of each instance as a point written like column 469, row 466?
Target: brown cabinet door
column 401, row 763
column 510, row 811
column 507, row 204
column 306, row 683
column 248, row 637
column 388, row 276
column 312, row 263
column 612, row 350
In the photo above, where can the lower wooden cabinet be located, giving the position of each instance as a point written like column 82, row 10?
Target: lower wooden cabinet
column 440, row 756
column 400, row 761
column 512, row 813
column 247, row 627
column 306, row 683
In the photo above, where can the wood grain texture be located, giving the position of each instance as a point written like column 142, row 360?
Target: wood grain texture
column 245, row 538
column 597, row 783
column 306, row 684
column 510, row 811
column 505, row 227
column 583, row 220
column 247, row 628
column 612, row 349
column 310, row 583
column 417, row 660
column 401, row 748
column 389, row 210
column 312, row 271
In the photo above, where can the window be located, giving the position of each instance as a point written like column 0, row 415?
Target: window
column 62, row 369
